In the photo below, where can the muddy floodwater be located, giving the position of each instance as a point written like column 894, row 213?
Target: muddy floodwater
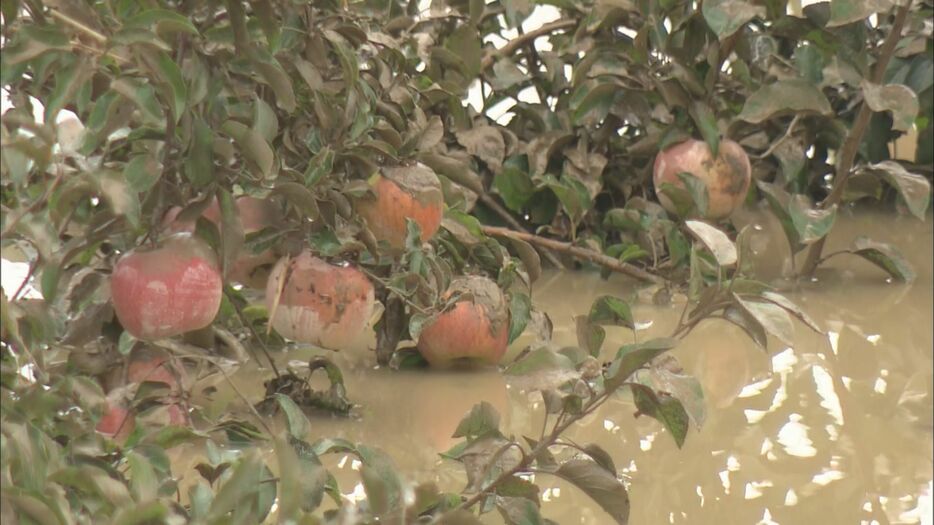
column 836, row 429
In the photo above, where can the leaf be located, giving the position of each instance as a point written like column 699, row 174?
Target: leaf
column 431, row 135
column 899, row 99
column 143, row 95
column 171, row 75
column 380, row 481
column 601, row 456
column 506, row 74
column 252, row 144
column 173, row 435
column 844, row 12
column 540, row 360
column 516, row 487
column 520, row 306
column 706, row 122
column 142, row 173
column 241, row 485
column 264, row 119
column 143, row 478
column 748, row 323
column 602, row 487
column 273, row 74
column 884, row 256
column 590, row 336
column 298, row 423
column 530, row 258
column 722, row 248
column 32, row 41
column 481, row 420
column 914, row 189
column 663, row 407
column 773, row 318
column 162, row 20
column 485, row 142
column 725, row 17
column 632, row 357
column 519, row 510
column 515, row 187
column 607, row 310
column 599, row 98
column 792, row 308
column 811, row 224
column 231, row 230
column 784, row 96
column 199, row 163
column 118, row 194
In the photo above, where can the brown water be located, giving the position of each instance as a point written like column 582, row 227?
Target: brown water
column 837, row 429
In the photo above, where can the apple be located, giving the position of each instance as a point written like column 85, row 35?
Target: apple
column 168, row 290
column 255, row 214
column 474, row 331
column 321, row 303
column 727, row 177
column 406, row 192
column 117, row 422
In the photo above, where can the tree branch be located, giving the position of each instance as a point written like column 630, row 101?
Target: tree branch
column 522, row 40
column 854, row 138
column 576, row 251
column 492, row 204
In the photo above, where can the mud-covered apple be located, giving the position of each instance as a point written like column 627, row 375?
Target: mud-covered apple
column 474, row 330
column 727, row 176
column 167, row 290
column 400, row 193
column 313, row 301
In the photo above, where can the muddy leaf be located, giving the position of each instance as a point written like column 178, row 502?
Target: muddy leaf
column 520, row 306
column 142, row 172
column 541, row 360
column 601, row 486
column 725, row 17
column 431, row 135
column 519, row 510
column 252, row 144
column 295, row 418
column 516, row 487
column 590, row 336
column 884, row 256
column 632, row 357
column 485, row 142
column 665, row 374
column 481, row 420
column 899, row 99
column 663, row 407
column 844, row 12
column 722, row 248
column 506, row 74
column 914, row 189
column 749, row 324
column 773, row 318
column 792, row 308
column 264, row 119
column 380, row 481
column 810, row 223
column 601, row 456
column 784, row 96
column 706, row 121
column 121, row 198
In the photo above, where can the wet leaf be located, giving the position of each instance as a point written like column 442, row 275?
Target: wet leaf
column 380, row 481
column 607, row 310
column 720, row 246
column 297, row 422
column 665, row 374
column 914, row 189
column 603, row 487
column 540, row 360
column 899, row 99
column 749, row 324
column 725, row 17
column 530, row 258
column 519, row 510
column 773, row 318
column 632, row 357
column 481, row 420
column 663, row 407
column 884, row 256
column 590, row 336
column 601, row 456
column 520, row 306
column 792, row 308
column 784, row 96
column 811, row 224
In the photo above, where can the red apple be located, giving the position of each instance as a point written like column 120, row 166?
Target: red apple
column 255, row 214
column 727, row 177
column 321, row 303
column 406, row 192
column 166, row 291
column 475, row 330
column 117, row 422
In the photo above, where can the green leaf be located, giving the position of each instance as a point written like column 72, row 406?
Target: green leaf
column 914, row 189
column 319, row 166
column 811, row 224
column 782, row 97
column 297, row 422
column 607, row 310
column 844, row 12
column 717, row 242
column 33, row 40
column 380, row 481
column 51, row 273
column 163, row 21
column 773, row 318
column 199, row 163
column 725, row 17
column 896, row 98
column 540, row 360
column 143, row 477
column 590, row 336
column 602, row 487
column 519, row 510
column 239, row 487
column 663, row 407
column 264, row 119
column 884, row 256
column 147, row 512
column 252, row 144
column 142, row 173
column 481, row 420
column 586, row 99
column 173, row 435
column 515, row 187
column 665, row 374
column 67, row 83
column 632, row 357
column 520, row 306
column 748, row 323
column 706, row 122
column 231, row 230
column 171, row 75
column 143, row 95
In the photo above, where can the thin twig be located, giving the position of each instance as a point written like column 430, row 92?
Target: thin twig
column 576, row 251
column 783, row 138
column 522, row 40
column 854, row 138
column 79, row 26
